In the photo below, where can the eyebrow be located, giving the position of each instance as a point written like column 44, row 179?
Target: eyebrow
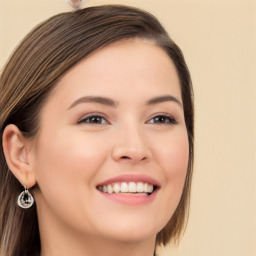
column 163, row 98
column 94, row 99
column 109, row 102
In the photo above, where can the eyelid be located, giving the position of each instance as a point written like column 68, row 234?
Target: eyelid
column 173, row 120
column 82, row 120
column 94, row 114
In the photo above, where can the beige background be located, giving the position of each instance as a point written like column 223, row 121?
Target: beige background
column 218, row 39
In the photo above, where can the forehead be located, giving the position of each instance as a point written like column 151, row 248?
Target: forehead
column 129, row 67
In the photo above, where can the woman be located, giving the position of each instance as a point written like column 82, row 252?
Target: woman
column 97, row 127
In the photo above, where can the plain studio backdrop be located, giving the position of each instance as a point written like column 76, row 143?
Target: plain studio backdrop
column 218, row 39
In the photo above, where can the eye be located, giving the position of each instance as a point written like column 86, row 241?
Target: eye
column 93, row 119
column 162, row 119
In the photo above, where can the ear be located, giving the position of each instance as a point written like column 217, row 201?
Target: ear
column 16, row 150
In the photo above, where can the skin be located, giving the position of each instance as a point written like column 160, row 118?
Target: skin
column 69, row 158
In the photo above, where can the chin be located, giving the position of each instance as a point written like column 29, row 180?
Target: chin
column 132, row 230
column 131, row 236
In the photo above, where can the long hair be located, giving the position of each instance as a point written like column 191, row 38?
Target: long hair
column 38, row 63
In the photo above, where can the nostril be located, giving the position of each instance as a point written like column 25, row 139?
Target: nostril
column 125, row 157
column 129, row 158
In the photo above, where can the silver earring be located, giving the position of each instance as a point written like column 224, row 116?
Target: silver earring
column 25, row 199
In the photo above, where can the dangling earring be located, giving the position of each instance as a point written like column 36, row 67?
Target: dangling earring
column 25, row 199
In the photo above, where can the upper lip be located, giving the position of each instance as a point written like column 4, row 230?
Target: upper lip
column 131, row 178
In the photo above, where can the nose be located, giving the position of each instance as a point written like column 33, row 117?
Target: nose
column 130, row 145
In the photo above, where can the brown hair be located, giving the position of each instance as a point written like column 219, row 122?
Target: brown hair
column 41, row 59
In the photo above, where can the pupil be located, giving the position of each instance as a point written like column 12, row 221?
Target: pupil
column 96, row 120
column 160, row 119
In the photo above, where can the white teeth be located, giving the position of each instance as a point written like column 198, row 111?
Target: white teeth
column 127, row 187
column 124, row 187
column 116, row 188
column 150, row 188
column 110, row 189
column 132, row 187
column 140, row 187
column 146, row 187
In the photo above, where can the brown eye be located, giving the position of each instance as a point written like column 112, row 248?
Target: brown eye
column 162, row 119
column 93, row 120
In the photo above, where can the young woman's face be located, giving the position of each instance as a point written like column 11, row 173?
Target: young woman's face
column 112, row 131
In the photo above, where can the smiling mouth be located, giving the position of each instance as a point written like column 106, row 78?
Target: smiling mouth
column 128, row 188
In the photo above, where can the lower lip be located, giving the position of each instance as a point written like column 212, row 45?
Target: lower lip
column 131, row 199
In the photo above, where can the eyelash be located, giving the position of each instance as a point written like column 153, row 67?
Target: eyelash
column 96, row 119
column 163, row 119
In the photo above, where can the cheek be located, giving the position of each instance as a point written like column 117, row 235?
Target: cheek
column 68, row 162
column 66, row 172
column 173, row 153
column 174, row 162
